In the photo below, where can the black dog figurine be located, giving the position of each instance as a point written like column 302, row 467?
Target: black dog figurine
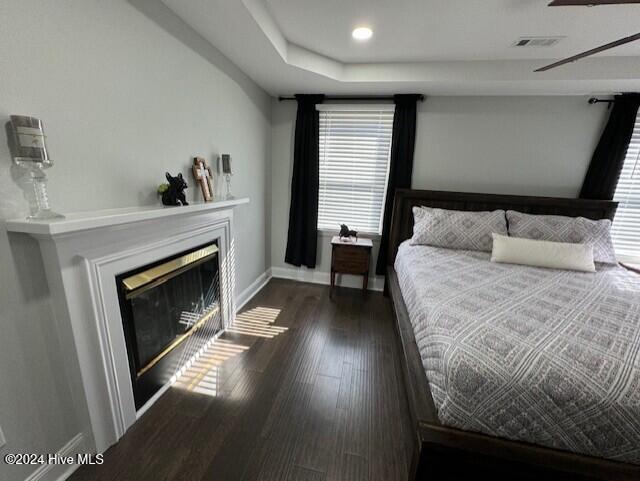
column 174, row 195
column 345, row 232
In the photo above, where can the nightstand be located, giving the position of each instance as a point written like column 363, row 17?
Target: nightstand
column 350, row 258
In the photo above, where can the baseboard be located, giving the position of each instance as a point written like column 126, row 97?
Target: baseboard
column 60, row 472
column 246, row 295
column 319, row 277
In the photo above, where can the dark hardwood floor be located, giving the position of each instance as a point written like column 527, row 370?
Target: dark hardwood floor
column 303, row 387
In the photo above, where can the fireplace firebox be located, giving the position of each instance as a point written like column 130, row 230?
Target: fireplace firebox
column 170, row 309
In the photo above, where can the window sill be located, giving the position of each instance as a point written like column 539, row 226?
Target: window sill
column 633, row 260
column 364, row 235
column 630, row 262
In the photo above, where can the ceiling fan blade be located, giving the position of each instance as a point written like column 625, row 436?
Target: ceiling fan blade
column 588, row 3
column 602, row 48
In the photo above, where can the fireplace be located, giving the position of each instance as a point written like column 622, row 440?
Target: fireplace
column 170, row 309
column 83, row 256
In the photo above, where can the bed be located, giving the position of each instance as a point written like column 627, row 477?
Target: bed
column 516, row 369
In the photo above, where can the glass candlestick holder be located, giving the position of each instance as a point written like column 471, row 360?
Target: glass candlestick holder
column 224, row 167
column 30, row 152
column 227, row 179
column 41, row 209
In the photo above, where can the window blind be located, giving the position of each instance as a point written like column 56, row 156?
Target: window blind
column 355, row 145
column 625, row 230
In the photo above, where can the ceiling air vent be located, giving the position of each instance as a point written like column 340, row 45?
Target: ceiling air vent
column 536, row 41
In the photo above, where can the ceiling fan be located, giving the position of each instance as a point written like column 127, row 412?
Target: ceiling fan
column 601, row 48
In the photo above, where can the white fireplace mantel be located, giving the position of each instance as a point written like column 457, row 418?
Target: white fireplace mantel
column 81, row 221
column 82, row 254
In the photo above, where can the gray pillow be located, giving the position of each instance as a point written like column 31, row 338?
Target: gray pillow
column 457, row 229
column 558, row 228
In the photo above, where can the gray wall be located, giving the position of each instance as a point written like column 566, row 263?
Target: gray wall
column 125, row 93
column 502, row 145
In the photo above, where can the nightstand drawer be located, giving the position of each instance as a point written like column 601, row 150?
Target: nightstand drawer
column 351, row 267
column 350, row 254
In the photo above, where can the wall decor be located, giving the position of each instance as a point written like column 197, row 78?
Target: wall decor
column 203, row 175
column 225, row 168
column 30, row 152
column 174, row 194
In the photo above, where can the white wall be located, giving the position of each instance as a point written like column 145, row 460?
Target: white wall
column 502, row 145
column 126, row 92
column 506, row 145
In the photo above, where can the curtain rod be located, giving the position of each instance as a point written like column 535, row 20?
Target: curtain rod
column 353, row 97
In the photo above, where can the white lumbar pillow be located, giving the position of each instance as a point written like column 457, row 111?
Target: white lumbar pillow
column 539, row 253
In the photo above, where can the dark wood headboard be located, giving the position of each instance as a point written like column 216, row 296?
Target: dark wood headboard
column 406, row 199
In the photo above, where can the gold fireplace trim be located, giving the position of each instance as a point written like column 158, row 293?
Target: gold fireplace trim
column 163, row 272
column 179, row 340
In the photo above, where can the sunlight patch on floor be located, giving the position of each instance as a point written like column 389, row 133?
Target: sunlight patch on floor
column 201, row 373
column 257, row 322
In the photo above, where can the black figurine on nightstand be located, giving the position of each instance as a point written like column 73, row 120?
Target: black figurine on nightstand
column 345, row 233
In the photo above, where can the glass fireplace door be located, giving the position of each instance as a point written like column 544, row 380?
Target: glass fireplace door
column 169, row 311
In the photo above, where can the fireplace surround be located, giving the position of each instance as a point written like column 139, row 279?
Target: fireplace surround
column 84, row 255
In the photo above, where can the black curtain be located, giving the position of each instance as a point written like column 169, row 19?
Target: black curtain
column 401, row 165
column 303, row 211
column 608, row 158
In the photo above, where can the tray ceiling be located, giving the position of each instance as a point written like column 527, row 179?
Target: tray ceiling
column 429, row 46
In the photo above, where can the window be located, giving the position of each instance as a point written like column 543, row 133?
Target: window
column 355, row 145
column 626, row 225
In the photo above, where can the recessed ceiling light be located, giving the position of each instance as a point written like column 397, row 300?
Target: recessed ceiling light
column 362, row 33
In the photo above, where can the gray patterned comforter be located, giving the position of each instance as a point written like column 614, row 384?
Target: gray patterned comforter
column 546, row 356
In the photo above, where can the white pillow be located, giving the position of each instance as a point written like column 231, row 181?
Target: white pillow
column 540, row 253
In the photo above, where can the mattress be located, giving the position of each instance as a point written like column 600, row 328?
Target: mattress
column 545, row 356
